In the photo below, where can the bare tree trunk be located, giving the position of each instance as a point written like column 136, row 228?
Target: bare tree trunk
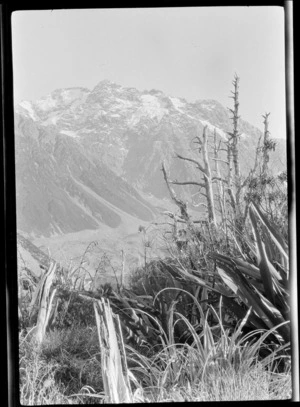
column 266, row 145
column 235, row 134
column 220, row 188
column 208, row 181
column 229, row 178
column 45, row 303
column 113, row 358
column 233, row 152
column 122, row 270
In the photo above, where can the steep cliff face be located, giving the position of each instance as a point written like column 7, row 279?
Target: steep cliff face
column 84, row 159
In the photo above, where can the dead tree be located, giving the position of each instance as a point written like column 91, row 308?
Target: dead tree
column 205, row 169
column 219, row 180
column 266, row 146
column 233, row 161
column 234, row 136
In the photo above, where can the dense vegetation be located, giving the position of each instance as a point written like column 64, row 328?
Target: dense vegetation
column 208, row 322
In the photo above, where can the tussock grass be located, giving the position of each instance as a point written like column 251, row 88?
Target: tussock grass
column 56, row 372
column 218, row 384
column 67, row 370
column 37, row 379
column 229, row 385
column 223, row 367
column 218, row 365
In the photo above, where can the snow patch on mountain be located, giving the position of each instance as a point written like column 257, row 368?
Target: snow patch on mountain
column 28, row 107
column 150, row 107
column 46, row 103
column 51, row 120
column 61, row 98
column 123, row 103
column 69, row 133
column 177, row 103
column 213, row 128
column 208, row 106
column 86, row 130
column 70, row 95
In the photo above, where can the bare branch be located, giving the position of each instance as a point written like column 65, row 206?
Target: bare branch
column 219, row 179
column 199, row 141
column 162, row 223
column 219, row 159
column 200, row 204
column 170, row 214
column 172, row 193
column 200, row 221
column 188, row 183
column 192, row 161
column 182, row 205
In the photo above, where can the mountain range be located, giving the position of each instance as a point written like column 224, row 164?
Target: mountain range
column 90, row 160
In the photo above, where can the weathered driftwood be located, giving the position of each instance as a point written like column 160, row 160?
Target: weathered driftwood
column 113, row 359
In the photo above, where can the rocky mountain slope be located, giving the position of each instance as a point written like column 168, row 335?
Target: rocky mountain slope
column 30, row 257
column 63, row 184
column 90, row 160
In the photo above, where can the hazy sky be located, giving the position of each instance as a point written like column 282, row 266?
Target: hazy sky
column 190, row 52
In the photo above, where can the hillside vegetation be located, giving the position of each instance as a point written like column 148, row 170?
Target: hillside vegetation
column 208, row 322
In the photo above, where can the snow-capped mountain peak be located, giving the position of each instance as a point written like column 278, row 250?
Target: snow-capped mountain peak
column 60, row 99
column 131, row 131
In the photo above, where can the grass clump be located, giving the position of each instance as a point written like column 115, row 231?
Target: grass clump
column 56, row 372
column 222, row 366
column 218, row 364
